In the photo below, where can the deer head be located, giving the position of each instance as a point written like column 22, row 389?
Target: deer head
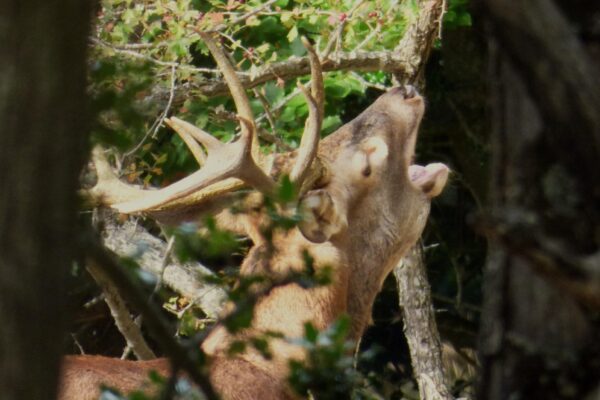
column 365, row 205
column 375, row 202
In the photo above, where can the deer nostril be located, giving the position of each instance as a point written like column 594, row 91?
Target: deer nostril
column 406, row 91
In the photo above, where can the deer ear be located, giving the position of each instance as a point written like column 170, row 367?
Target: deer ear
column 321, row 216
column 431, row 179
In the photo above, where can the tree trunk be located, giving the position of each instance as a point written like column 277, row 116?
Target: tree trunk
column 42, row 149
column 539, row 336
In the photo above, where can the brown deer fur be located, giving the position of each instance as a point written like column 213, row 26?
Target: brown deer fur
column 365, row 205
column 368, row 211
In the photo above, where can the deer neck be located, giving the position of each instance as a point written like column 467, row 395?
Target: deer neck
column 287, row 308
column 373, row 248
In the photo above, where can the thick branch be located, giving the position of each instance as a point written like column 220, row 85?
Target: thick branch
column 420, row 327
column 414, row 291
column 294, row 67
column 417, row 42
column 187, row 279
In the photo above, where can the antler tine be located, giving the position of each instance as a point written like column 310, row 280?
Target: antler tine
column 191, row 141
column 109, row 189
column 238, row 93
column 312, row 129
column 316, row 75
column 250, row 172
column 184, row 128
column 233, row 160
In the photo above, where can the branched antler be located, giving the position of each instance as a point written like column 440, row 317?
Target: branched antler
column 312, row 129
column 227, row 167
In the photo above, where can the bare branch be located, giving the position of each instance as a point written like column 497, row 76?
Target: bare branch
column 129, row 239
column 126, row 325
column 416, row 44
column 363, row 61
column 180, row 357
column 244, row 17
column 420, row 327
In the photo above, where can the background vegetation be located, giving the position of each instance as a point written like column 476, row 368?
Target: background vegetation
column 148, row 62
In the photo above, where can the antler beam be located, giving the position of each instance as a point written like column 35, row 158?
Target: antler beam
column 227, row 167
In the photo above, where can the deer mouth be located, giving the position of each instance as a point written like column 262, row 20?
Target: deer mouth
column 430, row 179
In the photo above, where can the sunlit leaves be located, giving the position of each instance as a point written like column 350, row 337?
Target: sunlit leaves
column 458, row 14
column 161, row 34
column 328, row 371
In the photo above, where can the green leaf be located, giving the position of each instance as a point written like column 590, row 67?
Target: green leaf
column 287, row 190
column 336, row 88
column 311, row 334
column 236, row 347
column 331, row 123
column 293, row 34
column 464, row 19
column 287, row 19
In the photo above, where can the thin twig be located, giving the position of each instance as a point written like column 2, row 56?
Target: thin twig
column 242, row 17
column 336, row 37
column 130, row 331
column 366, row 83
column 270, row 137
column 139, row 46
column 135, row 54
column 158, row 122
column 281, row 104
column 440, row 21
column 79, row 347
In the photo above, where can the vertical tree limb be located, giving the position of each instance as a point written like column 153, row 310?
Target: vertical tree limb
column 420, row 327
column 413, row 287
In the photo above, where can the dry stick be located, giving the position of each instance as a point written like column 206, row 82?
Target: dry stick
column 158, row 122
column 187, row 279
column 336, row 37
column 126, row 325
column 186, row 359
column 364, row 61
column 243, row 17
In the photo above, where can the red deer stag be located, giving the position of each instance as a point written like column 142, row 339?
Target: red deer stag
column 365, row 206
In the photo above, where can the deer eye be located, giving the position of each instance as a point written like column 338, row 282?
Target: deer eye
column 367, row 171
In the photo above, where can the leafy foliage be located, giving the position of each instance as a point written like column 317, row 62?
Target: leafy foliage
column 329, row 372
column 148, row 62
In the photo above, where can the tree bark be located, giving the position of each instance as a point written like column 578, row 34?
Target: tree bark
column 130, row 239
column 539, row 329
column 42, row 149
column 420, row 327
